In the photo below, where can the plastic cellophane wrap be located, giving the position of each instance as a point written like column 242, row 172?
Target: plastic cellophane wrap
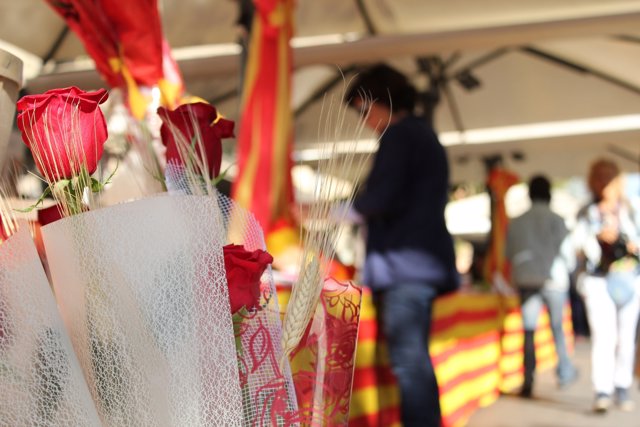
column 324, row 361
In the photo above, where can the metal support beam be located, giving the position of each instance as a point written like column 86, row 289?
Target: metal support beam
column 345, row 50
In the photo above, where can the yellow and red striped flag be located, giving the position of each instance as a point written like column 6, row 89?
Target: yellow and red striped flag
column 265, row 136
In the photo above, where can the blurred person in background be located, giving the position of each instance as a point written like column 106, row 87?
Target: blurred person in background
column 409, row 252
column 542, row 259
column 607, row 240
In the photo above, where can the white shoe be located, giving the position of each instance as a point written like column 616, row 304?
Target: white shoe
column 627, row 405
column 602, row 402
column 623, row 401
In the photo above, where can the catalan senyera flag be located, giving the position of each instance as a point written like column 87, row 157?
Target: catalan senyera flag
column 126, row 42
column 265, row 135
column 499, row 181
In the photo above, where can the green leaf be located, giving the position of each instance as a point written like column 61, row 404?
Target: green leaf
column 237, row 318
column 108, row 181
column 96, row 186
column 45, row 193
column 222, row 175
column 157, row 176
column 60, row 185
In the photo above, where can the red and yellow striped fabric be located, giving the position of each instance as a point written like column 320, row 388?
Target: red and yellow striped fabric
column 265, row 137
column 476, row 347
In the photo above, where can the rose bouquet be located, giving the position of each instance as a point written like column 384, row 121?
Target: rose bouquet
column 164, row 310
column 322, row 318
column 140, row 288
column 192, row 134
column 321, row 321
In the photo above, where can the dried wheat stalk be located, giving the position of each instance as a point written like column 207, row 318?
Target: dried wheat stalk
column 318, row 243
column 8, row 220
column 194, row 162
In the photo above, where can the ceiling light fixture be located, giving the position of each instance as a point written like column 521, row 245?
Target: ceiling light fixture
column 497, row 134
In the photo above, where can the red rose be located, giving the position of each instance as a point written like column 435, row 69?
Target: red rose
column 50, row 214
column 198, row 121
column 65, row 129
column 244, row 270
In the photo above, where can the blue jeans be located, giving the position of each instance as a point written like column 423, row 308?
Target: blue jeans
column 404, row 316
column 532, row 301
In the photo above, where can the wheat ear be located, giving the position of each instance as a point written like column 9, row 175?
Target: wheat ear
column 304, row 295
column 318, row 244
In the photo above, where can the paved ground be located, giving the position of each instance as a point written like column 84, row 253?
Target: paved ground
column 550, row 407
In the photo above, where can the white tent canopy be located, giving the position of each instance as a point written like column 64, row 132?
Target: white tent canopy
column 558, row 79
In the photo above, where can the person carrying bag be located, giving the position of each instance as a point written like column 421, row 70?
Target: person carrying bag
column 606, row 238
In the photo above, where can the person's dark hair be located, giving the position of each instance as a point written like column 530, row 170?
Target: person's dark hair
column 384, row 85
column 540, row 189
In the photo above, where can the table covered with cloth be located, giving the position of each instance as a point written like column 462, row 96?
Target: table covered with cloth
column 476, row 346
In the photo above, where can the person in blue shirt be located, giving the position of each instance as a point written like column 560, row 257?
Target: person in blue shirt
column 409, row 252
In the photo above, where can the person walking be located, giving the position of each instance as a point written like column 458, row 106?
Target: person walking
column 607, row 239
column 542, row 260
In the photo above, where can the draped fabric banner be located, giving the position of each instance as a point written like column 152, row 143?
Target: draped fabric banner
column 264, row 185
column 499, row 181
column 126, row 43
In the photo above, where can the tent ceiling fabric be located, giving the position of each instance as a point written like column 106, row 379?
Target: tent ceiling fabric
column 423, row 26
column 517, row 87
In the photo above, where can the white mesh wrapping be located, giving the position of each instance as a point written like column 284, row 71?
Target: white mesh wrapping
column 268, row 394
column 141, row 288
column 244, row 229
column 41, row 382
